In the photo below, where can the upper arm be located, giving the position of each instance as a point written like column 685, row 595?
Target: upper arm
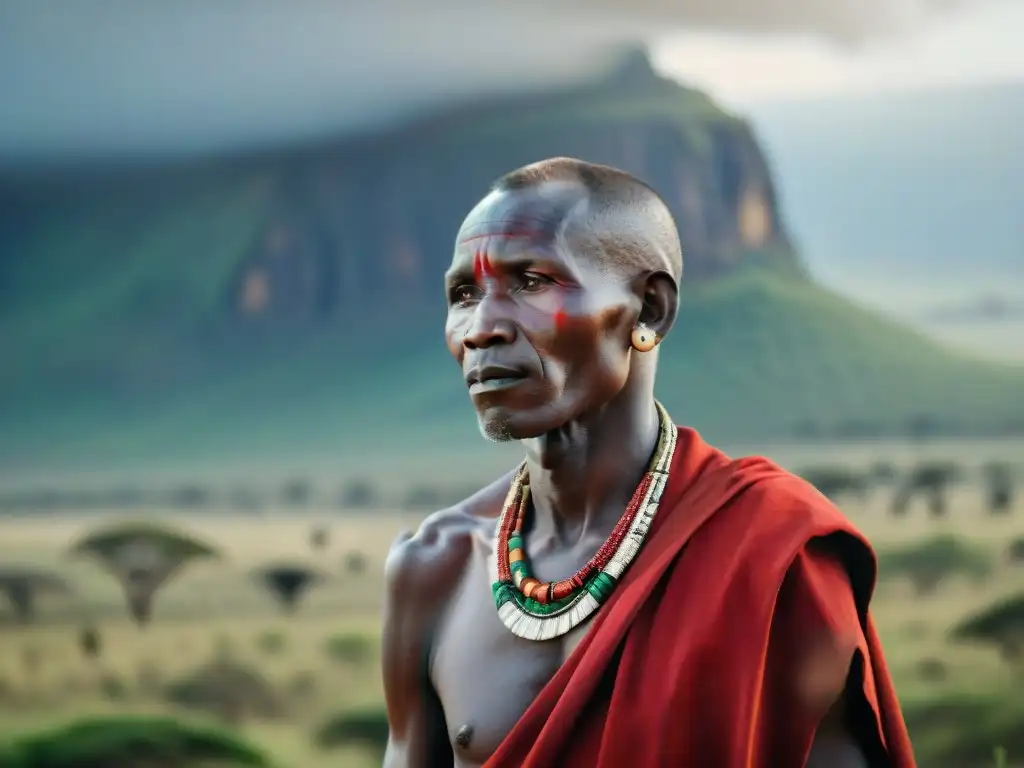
column 818, row 667
column 420, row 575
column 399, row 643
column 399, row 649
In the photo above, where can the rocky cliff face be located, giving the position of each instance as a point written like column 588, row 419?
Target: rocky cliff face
column 316, row 233
column 352, row 223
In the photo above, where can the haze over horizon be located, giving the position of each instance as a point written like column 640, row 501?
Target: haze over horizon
column 113, row 78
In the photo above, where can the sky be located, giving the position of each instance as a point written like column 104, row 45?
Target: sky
column 123, row 78
column 971, row 45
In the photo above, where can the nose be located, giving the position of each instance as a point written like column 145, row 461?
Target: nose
column 490, row 326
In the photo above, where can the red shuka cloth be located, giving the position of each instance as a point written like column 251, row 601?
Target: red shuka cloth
column 705, row 656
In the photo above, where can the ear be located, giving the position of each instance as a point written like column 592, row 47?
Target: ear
column 659, row 296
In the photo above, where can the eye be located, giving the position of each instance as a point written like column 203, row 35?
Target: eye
column 463, row 294
column 533, row 282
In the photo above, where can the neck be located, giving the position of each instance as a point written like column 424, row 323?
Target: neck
column 583, row 475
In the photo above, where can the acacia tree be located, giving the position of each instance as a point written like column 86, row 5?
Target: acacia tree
column 287, row 582
column 931, row 480
column 837, row 481
column 998, row 478
column 1015, row 551
column 319, row 538
column 1001, row 624
column 22, row 585
column 90, row 642
column 926, row 564
column 143, row 557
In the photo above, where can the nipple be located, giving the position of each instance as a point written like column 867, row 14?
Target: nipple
column 464, row 736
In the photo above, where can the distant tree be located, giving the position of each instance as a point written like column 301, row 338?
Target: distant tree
column 287, row 582
column 189, row 496
column 22, row 585
column 882, row 473
column 359, row 494
column 113, row 687
column 1000, row 624
column 245, row 499
column 1015, row 551
column 423, row 497
column 143, row 557
column 926, row 564
column 930, row 479
column 998, row 477
column 354, row 562
column 836, row 481
column 924, row 426
column 125, row 497
column 90, row 642
column 319, row 538
column 297, row 492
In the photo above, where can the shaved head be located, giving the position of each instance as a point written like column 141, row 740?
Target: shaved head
column 604, row 213
column 553, row 274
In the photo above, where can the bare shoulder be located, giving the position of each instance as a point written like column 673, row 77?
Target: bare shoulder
column 432, row 557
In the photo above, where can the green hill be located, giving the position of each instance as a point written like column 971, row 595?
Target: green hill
column 754, row 355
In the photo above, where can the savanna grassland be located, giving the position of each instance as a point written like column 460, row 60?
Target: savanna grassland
column 222, row 649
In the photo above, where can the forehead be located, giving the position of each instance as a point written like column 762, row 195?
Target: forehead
column 531, row 216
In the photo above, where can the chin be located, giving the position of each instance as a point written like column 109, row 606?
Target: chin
column 502, row 428
column 504, row 425
column 496, row 431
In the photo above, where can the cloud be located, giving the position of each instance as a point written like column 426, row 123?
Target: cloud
column 124, row 78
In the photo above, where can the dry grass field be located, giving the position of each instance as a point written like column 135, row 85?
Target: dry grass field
column 216, row 612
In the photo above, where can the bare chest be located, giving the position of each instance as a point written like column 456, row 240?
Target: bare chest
column 485, row 676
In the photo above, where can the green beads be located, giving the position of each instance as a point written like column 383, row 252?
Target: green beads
column 601, row 586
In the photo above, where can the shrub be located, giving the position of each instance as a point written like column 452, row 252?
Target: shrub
column 961, row 731
column 271, row 643
column 227, row 689
column 349, row 648
column 1000, row 624
column 129, row 742
column 366, row 728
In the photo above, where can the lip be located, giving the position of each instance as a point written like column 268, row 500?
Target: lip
column 493, row 378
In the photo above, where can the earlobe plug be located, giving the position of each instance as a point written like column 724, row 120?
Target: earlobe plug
column 644, row 339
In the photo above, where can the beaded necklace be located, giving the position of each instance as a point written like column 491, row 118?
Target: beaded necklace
column 541, row 611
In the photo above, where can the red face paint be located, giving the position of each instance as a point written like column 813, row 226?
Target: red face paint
column 478, row 267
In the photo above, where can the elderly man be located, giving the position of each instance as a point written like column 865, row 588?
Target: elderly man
column 629, row 595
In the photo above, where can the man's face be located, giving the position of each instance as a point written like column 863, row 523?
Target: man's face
column 540, row 329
